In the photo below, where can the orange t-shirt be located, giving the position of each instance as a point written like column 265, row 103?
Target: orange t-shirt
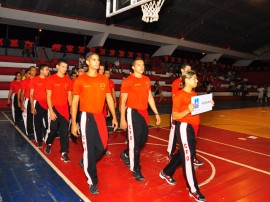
column 138, row 91
column 39, row 86
column 59, row 87
column 181, row 100
column 111, row 84
column 92, row 92
column 15, row 86
column 26, row 87
column 176, row 85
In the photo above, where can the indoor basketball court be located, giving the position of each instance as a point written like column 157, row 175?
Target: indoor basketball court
column 233, row 142
column 235, row 152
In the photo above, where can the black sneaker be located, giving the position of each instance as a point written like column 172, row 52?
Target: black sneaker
column 48, row 149
column 65, row 157
column 198, row 162
column 168, row 178
column 197, row 196
column 94, row 189
column 81, row 162
column 39, row 145
column 125, row 158
column 138, row 175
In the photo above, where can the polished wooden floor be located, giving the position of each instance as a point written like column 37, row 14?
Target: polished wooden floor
column 234, row 144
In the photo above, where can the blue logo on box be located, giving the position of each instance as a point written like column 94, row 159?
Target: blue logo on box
column 196, row 104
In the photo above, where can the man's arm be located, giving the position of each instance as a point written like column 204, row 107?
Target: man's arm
column 114, row 97
column 33, row 110
column 74, row 110
column 70, row 98
column 110, row 103
column 152, row 104
column 123, row 122
column 22, row 99
column 49, row 102
column 19, row 97
column 9, row 96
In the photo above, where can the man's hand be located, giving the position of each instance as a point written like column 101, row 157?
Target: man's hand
column 158, row 119
column 8, row 102
column 53, row 115
column 33, row 110
column 75, row 129
column 123, row 124
column 22, row 107
column 114, row 124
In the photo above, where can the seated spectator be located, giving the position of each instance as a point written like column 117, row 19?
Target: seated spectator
column 244, row 90
column 158, row 92
column 81, row 61
column 260, row 95
column 117, row 66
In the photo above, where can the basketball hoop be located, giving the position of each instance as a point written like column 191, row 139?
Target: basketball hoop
column 150, row 10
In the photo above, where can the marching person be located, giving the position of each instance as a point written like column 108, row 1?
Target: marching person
column 91, row 89
column 13, row 98
column 25, row 103
column 136, row 95
column 176, row 86
column 59, row 98
column 186, row 129
column 39, row 107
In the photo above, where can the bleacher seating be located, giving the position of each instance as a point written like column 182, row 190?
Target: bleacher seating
column 12, row 64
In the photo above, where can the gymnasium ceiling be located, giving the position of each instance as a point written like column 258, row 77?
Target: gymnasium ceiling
column 242, row 25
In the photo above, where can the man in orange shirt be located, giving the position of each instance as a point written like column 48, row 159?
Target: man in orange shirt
column 176, row 86
column 39, row 107
column 136, row 95
column 26, row 105
column 12, row 95
column 91, row 89
column 59, row 98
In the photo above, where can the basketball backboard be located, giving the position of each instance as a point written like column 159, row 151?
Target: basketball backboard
column 115, row 7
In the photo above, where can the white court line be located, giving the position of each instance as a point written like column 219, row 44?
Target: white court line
column 236, row 163
column 230, row 161
column 263, row 154
column 69, row 183
column 235, row 147
column 211, row 164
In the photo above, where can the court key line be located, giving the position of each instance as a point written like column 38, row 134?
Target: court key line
column 248, row 150
column 224, row 159
column 70, row 184
column 211, row 164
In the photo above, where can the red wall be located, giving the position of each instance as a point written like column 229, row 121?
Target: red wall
column 259, row 78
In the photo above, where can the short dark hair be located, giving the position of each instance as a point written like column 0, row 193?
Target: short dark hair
column 61, row 61
column 136, row 60
column 32, row 67
column 89, row 54
column 184, row 65
column 41, row 67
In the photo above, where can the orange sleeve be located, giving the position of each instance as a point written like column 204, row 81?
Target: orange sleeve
column 125, row 86
column 76, row 87
column 107, row 90
column 70, row 84
column 49, row 84
column 176, row 103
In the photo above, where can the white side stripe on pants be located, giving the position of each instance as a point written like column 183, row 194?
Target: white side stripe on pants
column 130, row 138
column 188, row 163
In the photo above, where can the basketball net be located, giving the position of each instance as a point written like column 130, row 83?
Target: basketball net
column 150, row 10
